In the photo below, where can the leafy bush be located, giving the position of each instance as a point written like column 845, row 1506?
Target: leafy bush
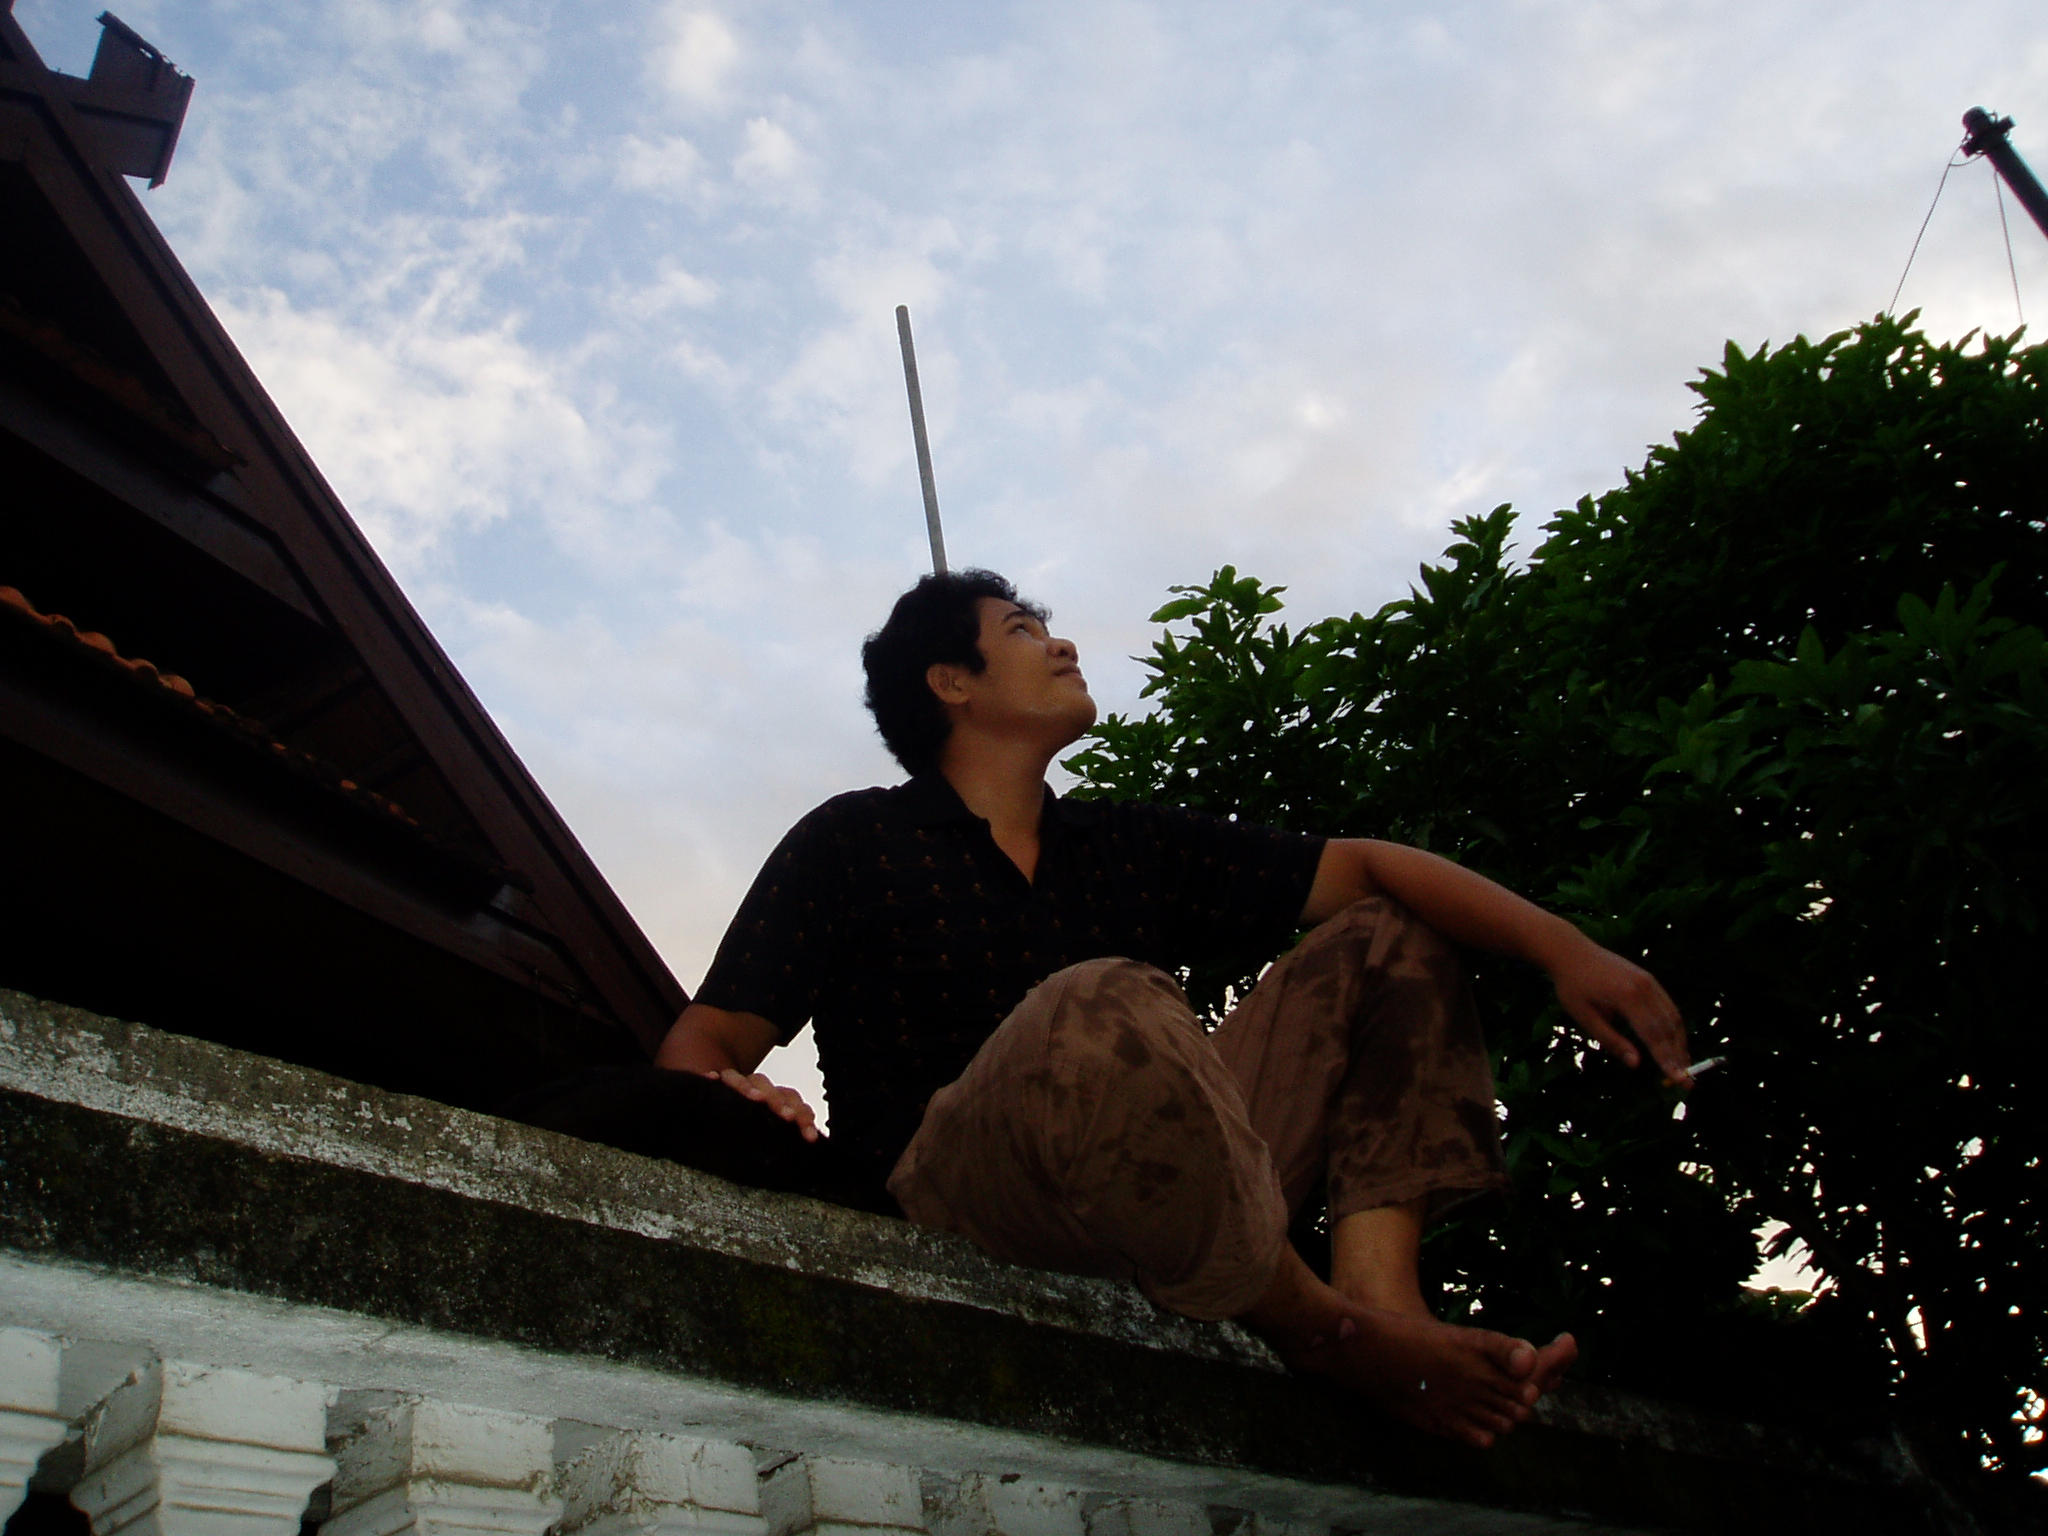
column 1771, row 716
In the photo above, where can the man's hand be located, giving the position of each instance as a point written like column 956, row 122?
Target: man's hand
column 786, row 1102
column 726, row 1046
column 1601, row 991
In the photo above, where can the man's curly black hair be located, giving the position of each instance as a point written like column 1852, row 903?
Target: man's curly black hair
column 938, row 620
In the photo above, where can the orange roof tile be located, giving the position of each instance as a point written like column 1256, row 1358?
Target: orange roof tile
column 150, row 674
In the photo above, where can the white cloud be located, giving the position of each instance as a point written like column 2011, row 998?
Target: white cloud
column 669, row 166
column 706, row 367
column 426, row 429
column 769, row 155
column 699, row 55
column 674, row 286
column 845, row 384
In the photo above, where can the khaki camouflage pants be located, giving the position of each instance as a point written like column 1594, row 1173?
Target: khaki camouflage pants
column 1100, row 1131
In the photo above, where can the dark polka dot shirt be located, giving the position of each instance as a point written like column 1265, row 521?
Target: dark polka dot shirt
column 890, row 921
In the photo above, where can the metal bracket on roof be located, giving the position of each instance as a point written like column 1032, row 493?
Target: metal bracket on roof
column 134, row 101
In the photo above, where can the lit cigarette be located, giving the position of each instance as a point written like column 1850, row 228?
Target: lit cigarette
column 1704, row 1066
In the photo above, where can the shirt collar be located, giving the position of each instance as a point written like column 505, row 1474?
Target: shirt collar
column 928, row 800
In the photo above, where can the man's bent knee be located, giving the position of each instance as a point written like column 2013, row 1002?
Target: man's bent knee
column 1125, row 1012
column 1380, row 924
column 1112, row 975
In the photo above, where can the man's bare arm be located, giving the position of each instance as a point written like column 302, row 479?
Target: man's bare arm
column 1597, row 987
column 720, row 1043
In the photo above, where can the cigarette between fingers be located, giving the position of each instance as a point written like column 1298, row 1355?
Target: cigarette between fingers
column 1705, row 1066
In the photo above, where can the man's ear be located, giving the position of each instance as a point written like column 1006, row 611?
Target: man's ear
column 944, row 680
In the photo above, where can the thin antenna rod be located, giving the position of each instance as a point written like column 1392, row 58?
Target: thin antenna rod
column 924, row 447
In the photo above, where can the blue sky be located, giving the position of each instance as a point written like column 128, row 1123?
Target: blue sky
column 587, row 312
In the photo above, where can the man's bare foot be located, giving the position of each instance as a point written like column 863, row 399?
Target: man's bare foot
column 1464, row 1383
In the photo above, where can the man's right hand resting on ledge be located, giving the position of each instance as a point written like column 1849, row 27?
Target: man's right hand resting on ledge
column 726, row 1046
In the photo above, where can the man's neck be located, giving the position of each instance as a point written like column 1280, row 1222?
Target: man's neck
column 1003, row 785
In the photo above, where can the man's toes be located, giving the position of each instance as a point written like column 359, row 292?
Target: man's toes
column 1509, row 1414
column 1510, row 1398
column 1518, row 1357
column 1554, row 1359
column 1491, row 1421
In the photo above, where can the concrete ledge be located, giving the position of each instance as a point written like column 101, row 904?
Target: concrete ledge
column 153, row 1181
column 70, row 1056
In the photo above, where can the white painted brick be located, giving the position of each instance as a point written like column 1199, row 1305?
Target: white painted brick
column 442, row 1469
column 644, row 1484
column 180, row 1449
column 1020, row 1507
column 31, row 1365
column 863, row 1495
column 1261, row 1526
column 30, row 1420
column 786, row 1498
column 92, row 1369
column 1147, row 1517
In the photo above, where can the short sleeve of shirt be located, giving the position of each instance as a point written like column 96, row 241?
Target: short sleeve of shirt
column 783, row 938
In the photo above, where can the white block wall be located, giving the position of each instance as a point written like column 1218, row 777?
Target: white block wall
column 646, row 1484
column 180, row 1449
column 443, row 1469
column 171, row 1447
column 30, row 1423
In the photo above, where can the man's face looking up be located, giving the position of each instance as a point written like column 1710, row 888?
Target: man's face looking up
column 1031, row 687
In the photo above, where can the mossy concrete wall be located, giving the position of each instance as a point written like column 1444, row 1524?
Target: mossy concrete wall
column 164, row 1194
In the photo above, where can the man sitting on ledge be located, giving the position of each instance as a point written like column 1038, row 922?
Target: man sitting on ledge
column 988, row 970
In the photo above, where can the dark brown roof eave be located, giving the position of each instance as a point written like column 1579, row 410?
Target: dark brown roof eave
column 168, row 690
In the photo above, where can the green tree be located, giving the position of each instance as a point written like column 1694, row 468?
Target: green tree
column 1771, row 716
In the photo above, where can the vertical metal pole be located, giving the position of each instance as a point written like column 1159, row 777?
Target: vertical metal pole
column 1987, row 136
column 924, row 447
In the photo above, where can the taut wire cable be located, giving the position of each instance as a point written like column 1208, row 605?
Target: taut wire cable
column 1998, row 185
column 1953, row 162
